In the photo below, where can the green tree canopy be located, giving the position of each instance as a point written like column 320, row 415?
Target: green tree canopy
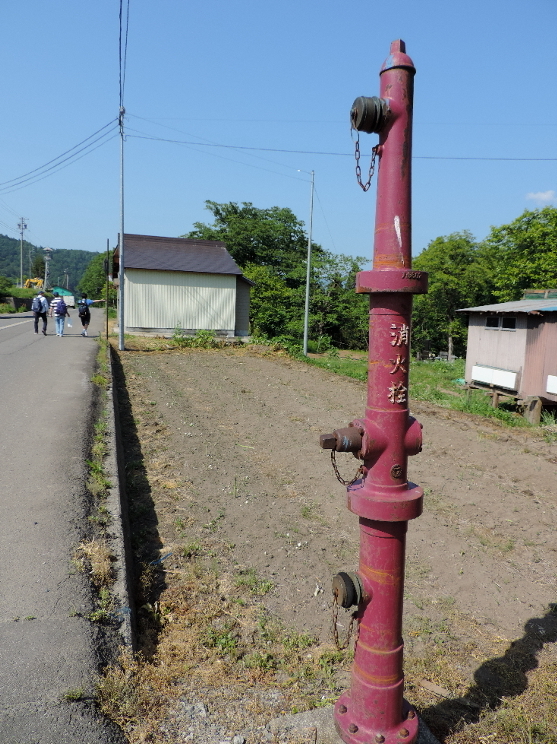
column 38, row 266
column 266, row 237
column 273, row 305
column 457, row 279
column 93, row 281
column 523, row 254
column 5, row 284
column 270, row 245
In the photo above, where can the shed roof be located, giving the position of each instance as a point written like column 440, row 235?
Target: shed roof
column 518, row 306
column 177, row 254
column 63, row 291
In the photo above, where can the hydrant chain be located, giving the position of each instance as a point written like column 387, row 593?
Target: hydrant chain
column 364, row 186
column 344, row 645
column 359, row 472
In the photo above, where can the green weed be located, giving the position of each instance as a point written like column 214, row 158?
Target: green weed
column 73, row 695
column 224, row 640
column 250, row 580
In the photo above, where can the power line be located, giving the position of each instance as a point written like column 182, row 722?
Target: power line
column 8, row 208
column 319, row 152
column 205, row 140
column 8, row 227
column 222, row 157
column 42, row 176
column 325, row 220
column 41, row 167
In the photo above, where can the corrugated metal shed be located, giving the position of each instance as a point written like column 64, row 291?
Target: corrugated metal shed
column 161, row 301
column 518, row 306
column 179, row 282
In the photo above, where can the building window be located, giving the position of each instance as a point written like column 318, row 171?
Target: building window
column 509, row 324
column 492, row 321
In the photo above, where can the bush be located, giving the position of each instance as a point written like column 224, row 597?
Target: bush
column 5, row 308
column 203, row 339
column 287, row 344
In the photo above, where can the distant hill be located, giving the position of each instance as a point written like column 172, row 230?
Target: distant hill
column 74, row 261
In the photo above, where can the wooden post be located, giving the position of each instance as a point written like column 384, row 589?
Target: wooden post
column 533, row 410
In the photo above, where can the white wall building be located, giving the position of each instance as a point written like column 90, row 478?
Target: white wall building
column 177, row 282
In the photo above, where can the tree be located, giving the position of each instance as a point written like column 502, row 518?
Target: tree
column 337, row 311
column 457, row 279
column 5, row 285
column 270, row 245
column 266, row 237
column 93, row 281
column 523, row 254
column 38, row 266
column 75, row 261
column 272, row 303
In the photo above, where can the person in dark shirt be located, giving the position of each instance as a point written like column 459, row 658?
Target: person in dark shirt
column 83, row 308
column 41, row 304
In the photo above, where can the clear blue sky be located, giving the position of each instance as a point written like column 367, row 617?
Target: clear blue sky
column 279, row 75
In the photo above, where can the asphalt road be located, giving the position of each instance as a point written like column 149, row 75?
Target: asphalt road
column 47, row 647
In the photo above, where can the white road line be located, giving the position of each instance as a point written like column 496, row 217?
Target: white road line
column 13, row 325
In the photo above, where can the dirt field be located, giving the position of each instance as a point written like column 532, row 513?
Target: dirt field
column 224, row 461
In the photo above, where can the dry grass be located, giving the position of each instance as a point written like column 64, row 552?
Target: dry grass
column 95, row 557
column 208, row 632
column 485, row 689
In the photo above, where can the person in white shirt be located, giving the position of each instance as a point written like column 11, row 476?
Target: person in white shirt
column 59, row 309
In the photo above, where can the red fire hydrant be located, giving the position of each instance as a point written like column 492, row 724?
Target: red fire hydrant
column 373, row 710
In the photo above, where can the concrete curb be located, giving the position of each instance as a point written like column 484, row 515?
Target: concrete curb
column 119, row 533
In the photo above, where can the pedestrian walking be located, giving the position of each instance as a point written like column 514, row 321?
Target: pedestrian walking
column 59, row 309
column 39, row 306
column 84, row 310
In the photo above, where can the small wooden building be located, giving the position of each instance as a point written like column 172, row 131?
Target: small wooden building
column 512, row 348
column 180, row 283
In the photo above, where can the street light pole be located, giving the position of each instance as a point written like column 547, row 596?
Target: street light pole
column 308, row 268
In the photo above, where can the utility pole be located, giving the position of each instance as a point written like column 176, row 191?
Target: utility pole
column 22, row 226
column 121, row 241
column 308, row 268
column 107, row 272
column 47, row 257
